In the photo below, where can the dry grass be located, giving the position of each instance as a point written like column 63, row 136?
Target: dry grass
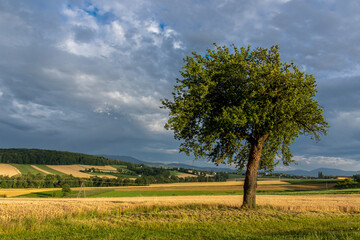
column 103, row 168
column 13, row 192
column 75, row 170
column 8, row 170
column 41, row 170
column 183, row 175
column 44, row 208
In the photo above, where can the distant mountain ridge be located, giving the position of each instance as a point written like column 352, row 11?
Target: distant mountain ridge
column 166, row 165
column 314, row 173
column 298, row 172
column 123, row 158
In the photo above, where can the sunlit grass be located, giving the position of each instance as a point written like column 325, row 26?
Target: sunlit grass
column 183, row 221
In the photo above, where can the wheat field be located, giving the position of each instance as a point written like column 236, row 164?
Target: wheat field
column 103, row 168
column 8, row 170
column 183, row 175
column 75, row 170
column 11, row 208
column 13, row 192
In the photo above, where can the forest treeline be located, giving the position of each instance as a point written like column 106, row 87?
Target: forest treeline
column 53, row 157
column 148, row 175
column 54, row 181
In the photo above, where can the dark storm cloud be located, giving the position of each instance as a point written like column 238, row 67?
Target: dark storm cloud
column 88, row 76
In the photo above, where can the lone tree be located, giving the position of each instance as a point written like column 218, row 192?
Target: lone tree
column 243, row 107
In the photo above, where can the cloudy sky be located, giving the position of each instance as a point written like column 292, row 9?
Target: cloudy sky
column 88, row 75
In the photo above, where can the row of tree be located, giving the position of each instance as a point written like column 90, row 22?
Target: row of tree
column 353, row 182
column 54, row 181
column 52, row 157
column 145, row 180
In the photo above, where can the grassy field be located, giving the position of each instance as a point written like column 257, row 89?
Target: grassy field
column 313, row 181
column 218, row 217
column 183, row 211
column 265, row 187
column 26, row 168
column 113, row 192
column 50, row 170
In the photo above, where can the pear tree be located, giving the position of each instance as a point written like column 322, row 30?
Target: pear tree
column 244, row 107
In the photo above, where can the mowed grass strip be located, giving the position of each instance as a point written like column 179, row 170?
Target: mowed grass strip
column 42, row 170
column 50, row 170
column 26, row 168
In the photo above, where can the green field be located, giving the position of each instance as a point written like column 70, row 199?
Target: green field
column 50, row 170
column 188, row 222
column 26, row 168
column 110, row 192
column 137, row 220
column 313, row 181
column 119, row 166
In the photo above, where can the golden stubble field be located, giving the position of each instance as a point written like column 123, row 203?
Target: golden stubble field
column 75, row 170
column 8, row 170
column 15, row 208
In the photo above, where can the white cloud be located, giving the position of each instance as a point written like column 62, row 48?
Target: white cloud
column 98, row 48
column 152, row 122
column 80, row 18
column 106, row 60
column 153, row 27
column 313, row 162
column 116, row 32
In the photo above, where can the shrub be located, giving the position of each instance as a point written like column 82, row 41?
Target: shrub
column 65, row 189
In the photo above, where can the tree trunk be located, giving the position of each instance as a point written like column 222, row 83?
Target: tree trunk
column 251, row 174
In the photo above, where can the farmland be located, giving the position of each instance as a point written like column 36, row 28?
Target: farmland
column 176, row 209
column 75, row 170
column 182, row 217
column 8, row 170
column 268, row 187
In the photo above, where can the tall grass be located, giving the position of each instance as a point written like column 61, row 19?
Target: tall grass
column 184, row 221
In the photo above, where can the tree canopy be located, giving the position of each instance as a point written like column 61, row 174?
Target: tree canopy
column 235, row 105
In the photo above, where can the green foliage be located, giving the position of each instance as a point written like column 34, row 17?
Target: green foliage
column 65, row 189
column 348, row 183
column 229, row 100
column 51, row 157
column 51, row 181
column 356, row 178
column 314, row 181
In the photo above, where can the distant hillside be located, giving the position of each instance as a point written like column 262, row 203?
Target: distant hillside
column 52, row 157
column 124, row 158
column 167, row 165
column 325, row 171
